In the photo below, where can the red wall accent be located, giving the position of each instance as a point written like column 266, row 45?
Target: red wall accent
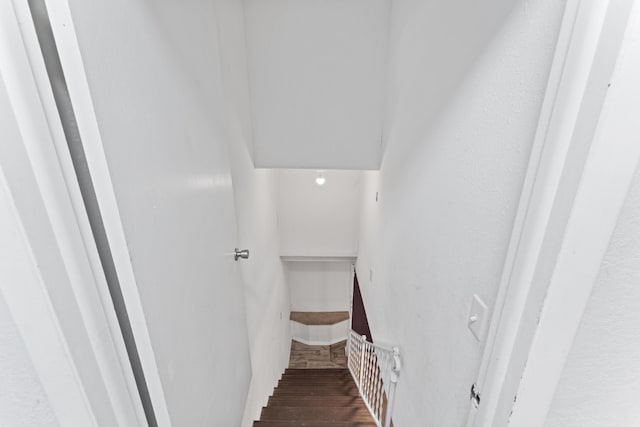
column 359, row 322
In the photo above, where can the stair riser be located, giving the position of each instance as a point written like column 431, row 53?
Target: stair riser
column 287, row 383
column 320, row 380
column 321, row 371
column 315, row 393
column 354, row 402
column 312, row 383
column 318, row 374
column 336, row 389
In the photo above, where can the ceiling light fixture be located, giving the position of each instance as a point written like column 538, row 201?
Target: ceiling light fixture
column 320, row 179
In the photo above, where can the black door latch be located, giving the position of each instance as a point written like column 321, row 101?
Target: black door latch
column 475, row 396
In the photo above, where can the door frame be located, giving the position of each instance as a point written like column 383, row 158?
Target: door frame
column 554, row 229
column 62, row 308
column 50, row 163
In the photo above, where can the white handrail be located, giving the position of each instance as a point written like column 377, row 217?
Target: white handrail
column 375, row 369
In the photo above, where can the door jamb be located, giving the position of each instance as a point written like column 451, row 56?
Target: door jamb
column 588, row 45
column 64, row 313
column 71, row 60
column 80, row 95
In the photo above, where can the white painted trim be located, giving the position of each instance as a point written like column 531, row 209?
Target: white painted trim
column 583, row 62
column 72, row 64
column 319, row 334
column 351, row 286
column 30, row 308
column 329, row 342
column 607, row 176
column 79, row 304
column 59, row 187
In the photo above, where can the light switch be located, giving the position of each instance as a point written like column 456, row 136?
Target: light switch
column 477, row 321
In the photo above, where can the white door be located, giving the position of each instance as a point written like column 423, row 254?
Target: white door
column 143, row 80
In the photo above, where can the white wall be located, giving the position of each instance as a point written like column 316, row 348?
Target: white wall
column 318, row 220
column 266, row 293
column 317, row 70
column 319, row 286
column 154, row 74
column 465, row 94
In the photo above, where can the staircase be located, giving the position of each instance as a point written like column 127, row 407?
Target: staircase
column 315, row 398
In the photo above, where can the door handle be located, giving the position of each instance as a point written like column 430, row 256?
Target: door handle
column 244, row 254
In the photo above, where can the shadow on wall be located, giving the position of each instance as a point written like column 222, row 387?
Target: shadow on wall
column 438, row 54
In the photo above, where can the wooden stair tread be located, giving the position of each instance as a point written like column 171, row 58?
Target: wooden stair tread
column 311, row 377
column 317, row 387
column 325, row 372
column 311, row 423
column 325, row 392
column 316, row 379
column 319, row 317
column 310, row 386
column 354, row 401
column 312, row 382
column 325, row 413
column 315, row 391
column 284, row 385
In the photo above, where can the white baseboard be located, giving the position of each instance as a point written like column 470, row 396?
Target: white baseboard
column 319, row 334
column 330, row 342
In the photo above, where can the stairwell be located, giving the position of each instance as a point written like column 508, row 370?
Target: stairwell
column 315, row 398
column 317, row 389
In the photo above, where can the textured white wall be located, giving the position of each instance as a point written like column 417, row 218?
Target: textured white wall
column 319, row 220
column 23, row 401
column 154, row 73
column 266, row 293
column 465, row 94
column 319, row 286
column 601, row 379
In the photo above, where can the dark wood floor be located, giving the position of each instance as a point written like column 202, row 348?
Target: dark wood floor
column 317, row 356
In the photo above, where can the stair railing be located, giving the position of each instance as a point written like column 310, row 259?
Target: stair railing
column 375, row 369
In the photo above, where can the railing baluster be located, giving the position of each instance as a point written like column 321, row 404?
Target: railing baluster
column 363, row 340
column 395, row 370
column 375, row 369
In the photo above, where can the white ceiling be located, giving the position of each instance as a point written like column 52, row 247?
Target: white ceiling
column 317, row 72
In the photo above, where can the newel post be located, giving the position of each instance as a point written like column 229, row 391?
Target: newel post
column 395, row 372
